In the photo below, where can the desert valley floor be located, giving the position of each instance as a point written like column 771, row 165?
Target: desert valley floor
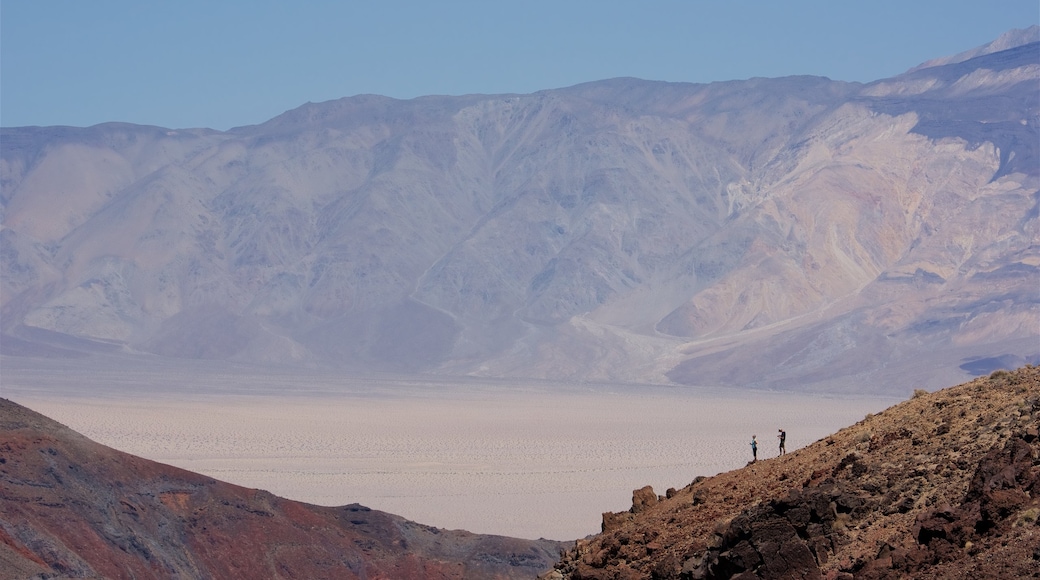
column 529, row 460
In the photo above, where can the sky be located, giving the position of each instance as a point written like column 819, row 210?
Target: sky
column 222, row 64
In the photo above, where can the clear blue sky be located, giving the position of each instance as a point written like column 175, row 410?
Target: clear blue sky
column 222, row 64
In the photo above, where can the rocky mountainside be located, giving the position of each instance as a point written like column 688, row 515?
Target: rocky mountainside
column 72, row 508
column 784, row 233
column 944, row 485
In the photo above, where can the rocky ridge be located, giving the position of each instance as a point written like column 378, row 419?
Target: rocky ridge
column 72, row 508
column 944, row 485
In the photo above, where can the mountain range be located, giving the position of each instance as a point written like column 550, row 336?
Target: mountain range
column 790, row 233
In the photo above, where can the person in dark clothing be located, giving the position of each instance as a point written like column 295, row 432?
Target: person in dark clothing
column 754, row 449
column 783, row 440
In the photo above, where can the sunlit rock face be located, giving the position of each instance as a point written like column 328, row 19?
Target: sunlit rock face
column 617, row 230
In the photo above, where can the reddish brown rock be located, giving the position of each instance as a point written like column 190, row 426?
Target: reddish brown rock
column 643, row 498
column 944, row 485
column 70, row 507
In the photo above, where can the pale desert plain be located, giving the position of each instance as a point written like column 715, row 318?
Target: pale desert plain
column 525, row 459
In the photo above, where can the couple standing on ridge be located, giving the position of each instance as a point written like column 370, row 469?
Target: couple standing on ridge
column 754, row 445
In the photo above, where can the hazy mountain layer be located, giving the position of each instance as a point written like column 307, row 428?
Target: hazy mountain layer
column 619, row 230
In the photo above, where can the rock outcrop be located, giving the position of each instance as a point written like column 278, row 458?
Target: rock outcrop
column 72, row 508
column 944, row 485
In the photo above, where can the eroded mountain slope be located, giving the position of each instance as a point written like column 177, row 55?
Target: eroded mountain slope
column 787, row 233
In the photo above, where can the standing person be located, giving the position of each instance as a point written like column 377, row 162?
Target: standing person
column 754, row 449
column 783, row 439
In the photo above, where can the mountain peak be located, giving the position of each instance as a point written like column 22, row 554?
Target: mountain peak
column 1010, row 39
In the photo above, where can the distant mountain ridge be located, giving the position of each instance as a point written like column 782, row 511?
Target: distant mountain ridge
column 1010, row 39
column 780, row 233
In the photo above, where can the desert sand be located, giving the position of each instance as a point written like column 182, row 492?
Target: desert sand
column 529, row 460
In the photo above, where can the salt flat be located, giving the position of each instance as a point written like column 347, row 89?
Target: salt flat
column 530, row 460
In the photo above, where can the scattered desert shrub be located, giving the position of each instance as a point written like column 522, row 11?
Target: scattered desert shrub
column 919, row 393
column 1028, row 517
column 998, row 374
column 842, row 521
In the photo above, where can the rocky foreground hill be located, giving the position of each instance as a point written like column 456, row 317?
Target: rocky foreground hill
column 944, row 485
column 72, row 508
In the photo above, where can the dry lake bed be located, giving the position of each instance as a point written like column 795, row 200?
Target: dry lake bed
column 524, row 459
